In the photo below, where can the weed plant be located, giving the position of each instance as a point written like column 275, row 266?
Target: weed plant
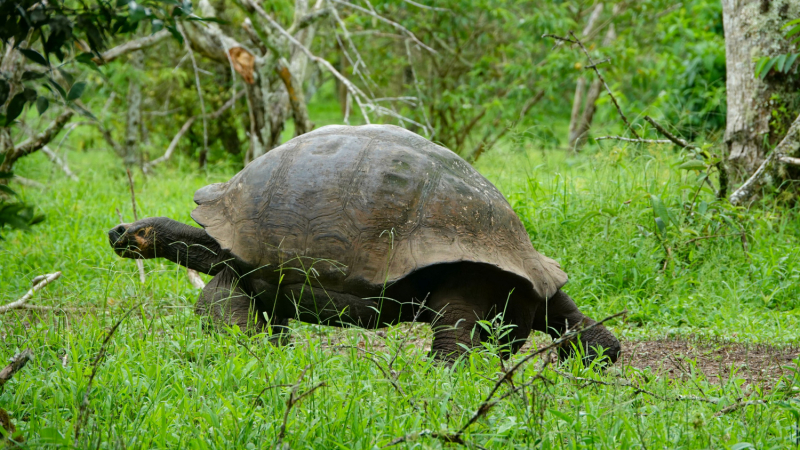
column 166, row 383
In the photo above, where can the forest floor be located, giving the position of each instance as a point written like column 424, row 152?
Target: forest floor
column 710, row 339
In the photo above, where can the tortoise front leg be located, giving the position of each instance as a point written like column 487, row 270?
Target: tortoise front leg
column 224, row 301
column 455, row 313
column 560, row 313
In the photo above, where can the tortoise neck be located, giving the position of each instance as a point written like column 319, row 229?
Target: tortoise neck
column 188, row 246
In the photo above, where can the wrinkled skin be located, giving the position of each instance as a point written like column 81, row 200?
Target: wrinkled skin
column 456, row 297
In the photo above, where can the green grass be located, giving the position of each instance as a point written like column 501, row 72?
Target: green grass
column 165, row 383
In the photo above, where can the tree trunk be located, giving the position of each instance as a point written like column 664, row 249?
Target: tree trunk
column 134, row 115
column 753, row 30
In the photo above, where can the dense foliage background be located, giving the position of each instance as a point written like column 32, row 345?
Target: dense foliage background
column 183, row 94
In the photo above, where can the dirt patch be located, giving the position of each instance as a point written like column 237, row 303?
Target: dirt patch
column 682, row 358
column 677, row 358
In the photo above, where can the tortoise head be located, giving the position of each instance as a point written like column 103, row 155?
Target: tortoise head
column 134, row 240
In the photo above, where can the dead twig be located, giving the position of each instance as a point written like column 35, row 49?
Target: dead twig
column 131, row 46
column 55, row 159
column 638, row 141
column 293, row 400
column 16, row 363
column 39, row 284
column 395, row 25
column 186, row 126
column 674, row 139
column 83, row 410
column 139, row 262
column 736, row 406
column 593, row 66
column 749, row 187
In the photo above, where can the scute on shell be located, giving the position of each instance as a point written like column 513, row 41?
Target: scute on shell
column 364, row 207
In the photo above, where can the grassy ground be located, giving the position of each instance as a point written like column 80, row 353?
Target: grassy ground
column 712, row 273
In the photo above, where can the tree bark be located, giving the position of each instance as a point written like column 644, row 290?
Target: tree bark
column 134, row 116
column 753, row 30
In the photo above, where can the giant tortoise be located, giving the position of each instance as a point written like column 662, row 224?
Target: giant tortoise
column 368, row 226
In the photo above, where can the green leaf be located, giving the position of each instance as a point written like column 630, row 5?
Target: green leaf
column 793, row 31
column 660, row 209
column 5, row 88
column 790, row 62
column 34, row 56
column 693, row 164
column 58, row 87
column 31, row 75
column 742, row 446
column 175, row 33
column 42, row 103
column 760, row 66
column 67, row 76
column 30, row 94
column 83, row 111
column 768, row 67
column 662, row 227
column 157, row 25
column 780, row 61
column 15, row 107
column 6, row 175
column 7, row 190
column 76, row 91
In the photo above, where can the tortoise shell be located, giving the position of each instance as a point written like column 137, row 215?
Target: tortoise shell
column 358, row 208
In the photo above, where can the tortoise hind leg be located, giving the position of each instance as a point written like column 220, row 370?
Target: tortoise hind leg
column 224, row 301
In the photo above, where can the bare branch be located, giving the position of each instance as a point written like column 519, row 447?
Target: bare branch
column 188, row 124
column 308, row 19
column 16, row 363
column 431, row 8
column 640, row 141
column 789, row 144
column 302, row 124
column 293, row 400
column 49, row 278
column 55, row 159
column 37, row 142
column 736, row 406
column 789, row 160
column 389, row 22
column 131, row 46
column 593, row 65
column 358, row 94
column 675, row 139
column 204, row 152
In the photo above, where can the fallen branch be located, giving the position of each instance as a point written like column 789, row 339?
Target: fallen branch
column 639, row 141
column 489, row 402
column 16, row 363
column 736, row 406
column 39, row 284
column 55, row 159
column 131, row 46
column 789, row 142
